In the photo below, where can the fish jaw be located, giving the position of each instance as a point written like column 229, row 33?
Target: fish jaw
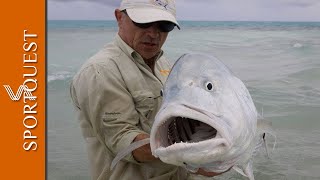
column 181, row 153
column 198, row 153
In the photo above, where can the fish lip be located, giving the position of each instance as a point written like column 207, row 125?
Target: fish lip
column 166, row 113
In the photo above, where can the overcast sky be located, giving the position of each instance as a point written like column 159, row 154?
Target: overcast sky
column 215, row 10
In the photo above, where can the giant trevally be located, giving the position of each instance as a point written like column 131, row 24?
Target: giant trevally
column 207, row 119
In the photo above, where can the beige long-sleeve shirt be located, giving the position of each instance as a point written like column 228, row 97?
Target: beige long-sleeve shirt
column 117, row 97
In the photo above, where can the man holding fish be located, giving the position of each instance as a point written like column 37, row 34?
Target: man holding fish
column 117, row 94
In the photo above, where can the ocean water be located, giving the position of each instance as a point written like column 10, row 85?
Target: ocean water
column 278, row 61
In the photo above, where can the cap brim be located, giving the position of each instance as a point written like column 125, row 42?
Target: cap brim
column 144, row 15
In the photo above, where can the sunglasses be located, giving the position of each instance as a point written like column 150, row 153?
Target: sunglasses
column 163, row 26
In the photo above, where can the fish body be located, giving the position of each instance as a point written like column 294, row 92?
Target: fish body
column 207, row 119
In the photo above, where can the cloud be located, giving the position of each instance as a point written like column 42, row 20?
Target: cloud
column 294, row 3
column 299, row 3
column 289, row 3
column 216, row 10
column 79, row 10
column 112, row 3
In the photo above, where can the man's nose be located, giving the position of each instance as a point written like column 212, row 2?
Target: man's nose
column 153, row 30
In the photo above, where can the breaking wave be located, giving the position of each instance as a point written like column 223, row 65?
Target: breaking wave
column 61, row 75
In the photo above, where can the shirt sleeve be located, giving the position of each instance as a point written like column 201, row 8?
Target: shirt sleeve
column 104, row 100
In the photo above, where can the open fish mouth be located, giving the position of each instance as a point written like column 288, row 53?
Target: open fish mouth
column 183, row 133
column 184, row 130
column 189, row 130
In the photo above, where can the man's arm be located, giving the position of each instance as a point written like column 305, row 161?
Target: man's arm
column 104, row 99
column 143, row 154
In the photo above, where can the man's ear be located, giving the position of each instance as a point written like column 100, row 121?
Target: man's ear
column 118, row 14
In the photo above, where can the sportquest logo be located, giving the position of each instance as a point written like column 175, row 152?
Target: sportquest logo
column 27, row 91
column 18, row 94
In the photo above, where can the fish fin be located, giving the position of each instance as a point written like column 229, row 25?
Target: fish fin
column 128, row 150
column 265, row 144
column 265, row 127
column 191, row 168
column 249, row 171
column 239, row 170
column 260, row 116
column 245, row 171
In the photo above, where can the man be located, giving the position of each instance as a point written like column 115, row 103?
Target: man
column 117, row 93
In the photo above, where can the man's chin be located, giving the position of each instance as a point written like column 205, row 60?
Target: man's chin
column 149, row 54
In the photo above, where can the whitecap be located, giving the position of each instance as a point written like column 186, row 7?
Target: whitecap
column 61, row 75
column 297, row 45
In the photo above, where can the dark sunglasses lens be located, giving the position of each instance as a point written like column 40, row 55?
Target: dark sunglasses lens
column 166, row 26
column 143, row 25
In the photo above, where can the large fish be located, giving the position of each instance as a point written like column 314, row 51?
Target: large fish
column 207, row 119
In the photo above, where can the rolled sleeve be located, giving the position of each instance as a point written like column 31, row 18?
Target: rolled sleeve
column 104, row 99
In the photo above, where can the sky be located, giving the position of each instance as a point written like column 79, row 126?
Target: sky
column 199, row 10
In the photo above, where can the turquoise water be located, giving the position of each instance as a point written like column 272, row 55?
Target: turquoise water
column 278, row 61
column 82, row 24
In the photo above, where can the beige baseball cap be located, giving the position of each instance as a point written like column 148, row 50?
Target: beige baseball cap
column 146, row 11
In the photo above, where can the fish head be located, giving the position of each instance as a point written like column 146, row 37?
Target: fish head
column 205, row 111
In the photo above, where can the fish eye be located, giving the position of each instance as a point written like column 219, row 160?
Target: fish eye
column 209, row 86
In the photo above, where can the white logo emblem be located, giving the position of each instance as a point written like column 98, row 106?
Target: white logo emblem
column 163, row 3
column 17, row 96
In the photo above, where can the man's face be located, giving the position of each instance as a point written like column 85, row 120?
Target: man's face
column 147, row 42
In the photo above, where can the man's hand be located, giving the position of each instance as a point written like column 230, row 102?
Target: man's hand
column 143, row 153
